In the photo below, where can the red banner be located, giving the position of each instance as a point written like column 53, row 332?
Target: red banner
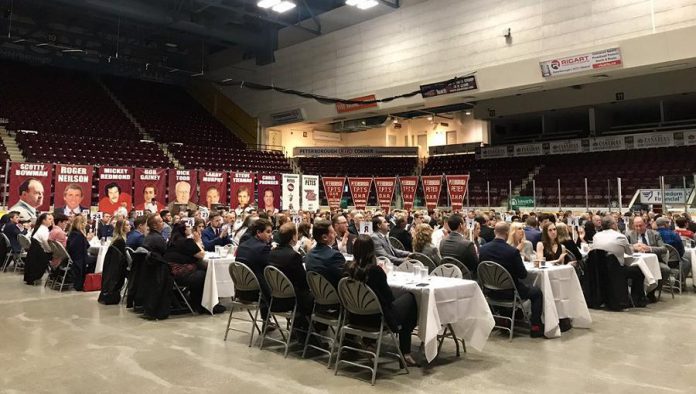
column 34, row 180
column 241, row 190
column 213, row 188
column 385, row 192
column 73, row 189
column 432, row 186
column 149, row 189
column 343, row 107
column 456, row 188
column 115, row 188
column 269, row 193
column 360, row 189
column 182, row 190
column 409, row 184
column 333, row 188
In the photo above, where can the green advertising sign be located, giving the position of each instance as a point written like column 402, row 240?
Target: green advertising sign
column 522, row 202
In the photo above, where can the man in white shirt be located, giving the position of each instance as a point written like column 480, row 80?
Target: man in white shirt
column 441, row 233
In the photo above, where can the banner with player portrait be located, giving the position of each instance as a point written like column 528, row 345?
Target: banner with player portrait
column 333, row 188
column 213, row 186
column 432, row 186
column 385, row 192
column 30, row 186
column 183, row 186
column 73, row 189
column 310, row 193
column 291, row 192
column 241, row 190
column 269, row 193
column 456, row 188
column 409, row 184
column 115, row 188
column 359, row 189
column 149, row 189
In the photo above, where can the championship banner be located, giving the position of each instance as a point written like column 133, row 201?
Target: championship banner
column 182, row 190
column 333, row 188
column 456, row 188
column 34, row 180
column 241, row 190
column 409, row 184
column 432, row 185
column 149, row 189
column 385, row 192
column 310, row 193
column 269, row 193
column 213, row 185
column 360, row 189
column 115, row 188
column 291, row 192
column 73, row 189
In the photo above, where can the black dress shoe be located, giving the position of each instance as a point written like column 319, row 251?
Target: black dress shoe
column 537, row 331
column 565, row 324
column 219, row 309
column 651, row 298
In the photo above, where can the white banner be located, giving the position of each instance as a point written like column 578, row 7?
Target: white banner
column 579, row 63
column 291, row 192
column 567, row 146
column 494, row 152
column 348, row 151
column 690, row 137
column 310, row 192
column 601, row 144
column 528, row 150
column 654, row 196
column 653, row 140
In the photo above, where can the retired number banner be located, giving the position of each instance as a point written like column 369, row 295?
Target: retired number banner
column 432, row 186
column 115, row 189
column 360, row 189
column 183, row 185
column 35, row 182
column 269, row 193
column 310, row 192
column 213, row 186
column 456, row 188
column 291, row 192
column 241, row 190
column 385, row 192
column 333, row 188
column 73, row 189
column 149, row 188
column 409, row 184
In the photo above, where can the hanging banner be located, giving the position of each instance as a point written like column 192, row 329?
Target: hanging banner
column 563, row 147
column 360, row 189
column 333, row 188
column 241, row 190
column 653, row 140
column 30, row 185
column 528, row 150
column 385, row 192
column 183, row 185
column 455, row 85
column 213, row 185
column 269, row 193
column 579, row 63
column 115, row 189
column 409, row 184
column 350, row 107
column 432, row 186
column 291, row 192
column 149, row 189
column 310, row 192
column 456, row 188
column 73, row 189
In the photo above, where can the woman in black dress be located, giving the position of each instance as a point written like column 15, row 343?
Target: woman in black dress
column 401, row 314
column 78, row 245
column 550, row 249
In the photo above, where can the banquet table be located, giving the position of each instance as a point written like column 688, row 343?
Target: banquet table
column 648, row 263
column 563, row 297
column 458, row 302
column 218, row 282
column 101, row 249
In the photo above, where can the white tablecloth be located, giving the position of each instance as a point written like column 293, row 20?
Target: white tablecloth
column 649, row 266
column 452, row 301
column 563, row 297
column 96, row 244
column 218, row 282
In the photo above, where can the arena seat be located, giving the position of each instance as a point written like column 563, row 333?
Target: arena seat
column 225, row 158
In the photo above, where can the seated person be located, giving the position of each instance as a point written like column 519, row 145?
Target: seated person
column 682, row 227
column 646, row 240
column 517, row 239
column 57, row 234
column 214, row 235
column 400, row 314
column 423, row 242
column 549, row 249
column 136, row 236
column 78, row 245
column 105, row 229
column 383, row 248
column 42, row 229
column 12, row 229
column 498, row 251
column 254, row 254
column 672, row 238
column 399, row 232
column 457, row 246
column 324, row 259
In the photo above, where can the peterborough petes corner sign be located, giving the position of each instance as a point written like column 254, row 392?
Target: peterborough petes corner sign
column 578, row 63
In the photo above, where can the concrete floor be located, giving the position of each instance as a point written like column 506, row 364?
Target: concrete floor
column 52, row 342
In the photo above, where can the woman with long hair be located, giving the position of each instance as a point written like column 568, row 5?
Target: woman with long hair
column 401, row 314
column 517, row 239
column 42, row 230
column 121, row 230
column 423, row 242
column 305, row 242
column 246, row 223
column 566, row 240
column 550, row 249
column 78, row 245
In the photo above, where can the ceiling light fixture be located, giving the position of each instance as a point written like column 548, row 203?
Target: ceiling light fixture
column 362, row 4
column 283, row 6
column 268, row 3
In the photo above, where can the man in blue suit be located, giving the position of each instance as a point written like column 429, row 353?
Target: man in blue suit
column 498, row 251
column 135, row 238
column 531, row 231
column 324, row 259
column 12, row 230
column 254, row 254
column 213, row 236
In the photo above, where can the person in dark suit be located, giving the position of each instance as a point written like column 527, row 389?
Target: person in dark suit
column 592, row 227
column 323, row 259
column 486, row 232
column 344, row 238
column 154, row 242
column 455, row 245
column 77, row 247
column 498, row 251
column 213, row 235
column 135, row 238
column 72, row 199
column 104, row 228
column 646, row 240
column 380, row 228
column 531, row 231
column 254, row 253
column 399, row 232
column 12, row 230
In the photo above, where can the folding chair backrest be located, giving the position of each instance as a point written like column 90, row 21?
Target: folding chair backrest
column 358, row 298
column 243, row 277
column 571, row 256
column 280, row 285
column 324, row 293
column 5, row 241
column 395, row 243
column 409, row 266
column 424, row 259
column 58, row 250
column 24, row 241
column 466, row 274
column 494, row 276
column 673, row 254
column 447, row 270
